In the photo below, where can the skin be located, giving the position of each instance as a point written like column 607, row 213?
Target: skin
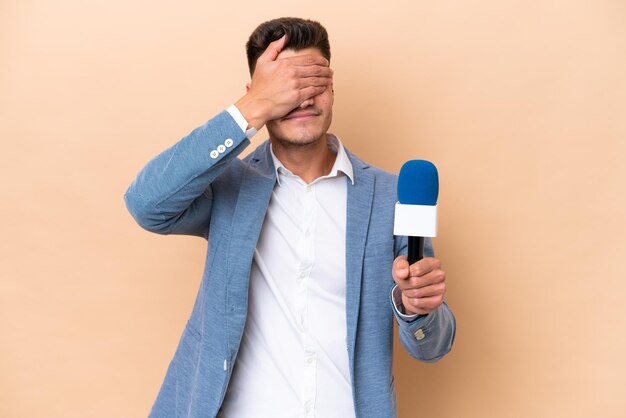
column 291, row 93
column 423, row 284
column 299, row 138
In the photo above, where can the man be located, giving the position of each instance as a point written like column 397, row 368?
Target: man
column 294, row 316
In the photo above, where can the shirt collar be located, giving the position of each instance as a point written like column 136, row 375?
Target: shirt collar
column 342, row 162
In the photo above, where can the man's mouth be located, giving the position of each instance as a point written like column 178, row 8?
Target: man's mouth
column 303, row 115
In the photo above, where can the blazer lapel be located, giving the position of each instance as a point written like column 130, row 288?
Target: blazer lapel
column 254, row 196
column 359, row 208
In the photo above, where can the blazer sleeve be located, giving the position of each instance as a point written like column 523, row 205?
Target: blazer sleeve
column 172, row 194
column 428, row 337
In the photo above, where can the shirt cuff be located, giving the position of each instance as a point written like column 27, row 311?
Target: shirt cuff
column 396, row 300
column 241, row 121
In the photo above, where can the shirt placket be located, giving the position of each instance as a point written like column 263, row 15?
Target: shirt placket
column 304, row 275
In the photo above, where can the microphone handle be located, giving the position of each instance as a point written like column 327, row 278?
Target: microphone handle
column 416, row 249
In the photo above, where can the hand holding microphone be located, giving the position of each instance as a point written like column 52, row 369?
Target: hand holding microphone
column 422, row 284
column 421, row 280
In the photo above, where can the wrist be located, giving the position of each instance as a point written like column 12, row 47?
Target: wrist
column 252, row 110
column 396, row 301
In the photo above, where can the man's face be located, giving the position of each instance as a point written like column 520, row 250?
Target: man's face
column 306, row 125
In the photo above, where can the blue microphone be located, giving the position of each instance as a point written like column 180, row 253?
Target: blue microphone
column 416, row 210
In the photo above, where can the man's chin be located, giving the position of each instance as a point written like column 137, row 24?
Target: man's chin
column 298, row 138
column 298, row 142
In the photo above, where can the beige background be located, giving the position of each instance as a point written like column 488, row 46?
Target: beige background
column 521, row 104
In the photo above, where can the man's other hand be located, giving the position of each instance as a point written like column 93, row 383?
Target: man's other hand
column 280, row 85
column 423, row 284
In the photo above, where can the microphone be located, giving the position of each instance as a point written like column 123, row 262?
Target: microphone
column 416, row 209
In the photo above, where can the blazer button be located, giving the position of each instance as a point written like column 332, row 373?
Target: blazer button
column 228, row 142
column 419, row 335
column 214, row 154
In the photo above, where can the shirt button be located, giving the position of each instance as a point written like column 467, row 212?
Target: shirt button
column 307, row 233
column 221, row 148
column 301, row 275
column 214, row 154
column 309, row 360
column 225, row 365
column 228, row 142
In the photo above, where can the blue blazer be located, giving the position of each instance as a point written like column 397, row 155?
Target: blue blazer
column 187, row 189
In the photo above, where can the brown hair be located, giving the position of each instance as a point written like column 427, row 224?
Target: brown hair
column 301, row 34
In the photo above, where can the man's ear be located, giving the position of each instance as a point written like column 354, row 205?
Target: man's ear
column 247, row 87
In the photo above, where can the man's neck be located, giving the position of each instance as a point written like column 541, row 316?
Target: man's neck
column 309, row 161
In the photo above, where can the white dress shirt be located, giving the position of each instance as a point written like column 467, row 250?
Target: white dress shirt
column 293, row 359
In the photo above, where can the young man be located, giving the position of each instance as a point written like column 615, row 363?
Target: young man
column 294, row 316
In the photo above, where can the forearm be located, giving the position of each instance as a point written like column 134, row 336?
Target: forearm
column 172, row 181
column 425, row 337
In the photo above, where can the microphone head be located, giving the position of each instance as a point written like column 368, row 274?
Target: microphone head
column 418, row 183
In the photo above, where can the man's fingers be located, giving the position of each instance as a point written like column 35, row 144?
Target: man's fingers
column 427, row 291
column 423, row 305
column 421, row 273
column 308, row 60
column 433, row 277
column 306, row 103
column 273, row 49
column 425, row 266
column 310, row 91
column 413, row 282
column 400, row 269
column 313, row 81
column 313, row 71
column 422, row 284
